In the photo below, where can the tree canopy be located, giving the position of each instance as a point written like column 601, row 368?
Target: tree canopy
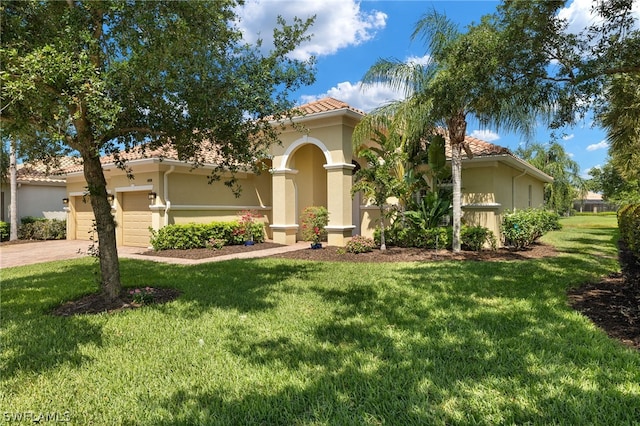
column 96, row 77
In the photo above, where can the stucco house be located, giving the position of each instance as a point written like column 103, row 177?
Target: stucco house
column 39, row 192
column 311, row 167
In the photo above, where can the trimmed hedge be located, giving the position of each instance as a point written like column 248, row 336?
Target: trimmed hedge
column 523, row 227
column 33, row 228
column 629, row 247
column 408, row 236
column 199, row 235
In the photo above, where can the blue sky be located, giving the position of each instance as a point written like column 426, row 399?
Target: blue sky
column 349, row 36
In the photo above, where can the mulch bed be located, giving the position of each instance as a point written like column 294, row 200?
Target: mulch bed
column 97, row 304
column 610, row 303
column 205, row 253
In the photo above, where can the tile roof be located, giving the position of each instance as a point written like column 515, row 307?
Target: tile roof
column 326, row 105
column 140, row 152
column 478, row 147
column 38, row 171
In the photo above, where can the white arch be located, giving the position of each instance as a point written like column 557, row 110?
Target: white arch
column 302, row 141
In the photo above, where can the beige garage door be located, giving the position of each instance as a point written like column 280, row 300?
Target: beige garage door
column 136, row 219
column 84, row 219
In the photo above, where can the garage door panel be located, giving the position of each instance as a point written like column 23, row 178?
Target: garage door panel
column 84, row 219
column 136, row 219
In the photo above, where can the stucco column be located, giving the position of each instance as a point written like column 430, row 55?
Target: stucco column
column 284, row 225
column 339, row 204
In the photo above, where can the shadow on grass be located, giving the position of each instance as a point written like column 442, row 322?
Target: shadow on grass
column 34, row 340
column 449, row 343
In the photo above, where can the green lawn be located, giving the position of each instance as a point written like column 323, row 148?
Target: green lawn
column 289, row 342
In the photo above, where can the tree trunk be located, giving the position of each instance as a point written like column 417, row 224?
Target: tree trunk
column 383, row 243
column 457, row 125
column 456, row 174
column 105, row 224
column 13, row 184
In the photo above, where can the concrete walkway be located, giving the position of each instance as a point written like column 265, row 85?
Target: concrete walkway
column 47, row 251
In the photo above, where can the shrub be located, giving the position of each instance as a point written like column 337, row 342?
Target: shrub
column 4, row 231
column 410, row 236
column 312, row 223
column 31, row 219
column 42, row 229
column 629, row 226
column 198, row 235
column 629, row 245
column 216, row 243
column 360, row 244
column 475, row 237
column 521, row 228
column 248, row 223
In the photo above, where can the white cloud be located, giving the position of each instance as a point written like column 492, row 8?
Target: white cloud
column 597, row 146
column 485, row 135
column 568, row 137
column 579, row 15
column 338, row 23
column 420, row 60
column 353, row 94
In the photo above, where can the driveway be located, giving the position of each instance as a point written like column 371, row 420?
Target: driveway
column 46, row 251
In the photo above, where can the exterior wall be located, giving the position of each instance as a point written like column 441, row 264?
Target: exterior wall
column 35, row 199
column 491, row 188
column 314, row 168
column 182, row 196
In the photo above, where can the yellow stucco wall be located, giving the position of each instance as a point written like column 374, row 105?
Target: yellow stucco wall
column 313, row 167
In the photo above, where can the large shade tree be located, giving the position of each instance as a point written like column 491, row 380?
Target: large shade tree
column 96, row 77
column 594, row 69
column 462, row 79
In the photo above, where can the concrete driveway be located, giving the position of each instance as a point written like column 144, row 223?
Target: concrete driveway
column 46, row 251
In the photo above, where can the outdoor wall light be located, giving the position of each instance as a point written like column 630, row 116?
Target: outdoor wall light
column 65, row 201
column 110, row 198
column 152, row 196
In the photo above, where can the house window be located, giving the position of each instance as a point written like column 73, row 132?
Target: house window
column 530, row 195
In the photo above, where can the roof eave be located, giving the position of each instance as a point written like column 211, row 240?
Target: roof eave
column 321, row 114
column 514, row 162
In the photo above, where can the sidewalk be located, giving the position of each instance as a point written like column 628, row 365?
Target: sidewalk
column 46, row 251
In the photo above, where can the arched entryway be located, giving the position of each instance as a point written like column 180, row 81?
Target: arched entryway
column 306, row 175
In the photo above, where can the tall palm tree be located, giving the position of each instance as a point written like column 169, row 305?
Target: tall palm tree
column 463, row 77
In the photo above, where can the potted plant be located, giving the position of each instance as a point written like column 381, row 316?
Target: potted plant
column 313, row 221
column 247, row 222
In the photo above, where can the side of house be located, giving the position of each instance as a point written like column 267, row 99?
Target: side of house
column 39, row 193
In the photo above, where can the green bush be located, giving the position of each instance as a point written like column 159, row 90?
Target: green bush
column 4, row 231
column 410, row 236
column 198, row 235
column 360, row 244
column 475, row 237
column 42, row 229
column 31, row 219
column 522, row 227
column 312, row 223
column 629, row 226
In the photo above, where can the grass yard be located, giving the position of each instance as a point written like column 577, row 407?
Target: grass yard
column 300, row 343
